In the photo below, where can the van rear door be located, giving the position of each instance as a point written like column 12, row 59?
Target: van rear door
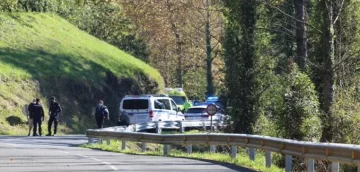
column 138, row 109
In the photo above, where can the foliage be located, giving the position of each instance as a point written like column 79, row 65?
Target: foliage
column 175, row 33
column 107, row 22
column 299, row 118
column 241, row 61
column 347, row 107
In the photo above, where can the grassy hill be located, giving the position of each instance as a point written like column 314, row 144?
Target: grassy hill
column 43, row 55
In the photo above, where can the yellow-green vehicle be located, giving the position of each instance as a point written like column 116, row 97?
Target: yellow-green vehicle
column 180, row 98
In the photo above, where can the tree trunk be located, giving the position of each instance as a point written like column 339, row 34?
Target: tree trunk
column 209, row 75
column 328, row 73
column 240, row 59
column 179, row 46
column 301, row 36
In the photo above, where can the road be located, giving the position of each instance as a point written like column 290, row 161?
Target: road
column 47, row 154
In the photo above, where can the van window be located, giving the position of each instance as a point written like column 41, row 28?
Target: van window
column 136, row 104
column 196, row 110
column 162, row 104
column 179, row 100
column 174, row 107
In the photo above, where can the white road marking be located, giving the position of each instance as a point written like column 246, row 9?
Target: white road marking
column 12, row 144
column 98, row 160
column 84, row 156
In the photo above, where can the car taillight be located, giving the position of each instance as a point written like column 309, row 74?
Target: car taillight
column 151, row 114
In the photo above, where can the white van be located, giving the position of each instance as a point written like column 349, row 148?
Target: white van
column 146, row 108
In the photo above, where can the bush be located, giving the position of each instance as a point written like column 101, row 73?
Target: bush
column 299, row 118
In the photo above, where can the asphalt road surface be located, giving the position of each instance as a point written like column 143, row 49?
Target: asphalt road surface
column 47, row 154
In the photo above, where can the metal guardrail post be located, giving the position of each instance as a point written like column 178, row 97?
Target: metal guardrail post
column 166, row 149
column 108, row 142
column 335, row 167
column 252, row 154
column 143, row 147
column 234, row 152
column 90, row 140
column 268, row 159
column 212, row 148
column 158, row 129
column 288, row 163
column 182, row 128
column 189, row 148
column 310, row 165
column 123, row 145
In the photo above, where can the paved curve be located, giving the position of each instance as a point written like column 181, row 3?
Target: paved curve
column 45, row 154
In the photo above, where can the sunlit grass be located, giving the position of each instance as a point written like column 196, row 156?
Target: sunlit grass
column 35, row 47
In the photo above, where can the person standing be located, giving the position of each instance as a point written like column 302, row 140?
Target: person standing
column 38, row 116
column 54, row 112
column 101, row 113
column 187, row 105
column 30, row 115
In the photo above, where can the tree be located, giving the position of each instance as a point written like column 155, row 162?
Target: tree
column 240, row 59
column 176, row 34
column 301, row 32
column 210, row 48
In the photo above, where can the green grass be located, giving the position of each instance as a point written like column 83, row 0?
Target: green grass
column 157, row 150
column 43, row 55
column 47, row 45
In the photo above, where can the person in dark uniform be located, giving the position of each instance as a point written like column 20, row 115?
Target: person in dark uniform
column 124, row 119
column 38, row 116
column 101, row 113
column 30, row 116
column 54, row 112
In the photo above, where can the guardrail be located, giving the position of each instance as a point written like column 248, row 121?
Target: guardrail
column 159, row 125
column 336, row 153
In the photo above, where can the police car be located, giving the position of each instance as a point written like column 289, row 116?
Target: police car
column 147, row 108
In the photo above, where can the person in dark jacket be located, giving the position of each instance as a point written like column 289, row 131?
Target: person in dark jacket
column 54, row 112
column 30, row 115
column 38, row 116
column 101, row 113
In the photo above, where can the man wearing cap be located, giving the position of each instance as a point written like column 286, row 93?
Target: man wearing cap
column 54, row 112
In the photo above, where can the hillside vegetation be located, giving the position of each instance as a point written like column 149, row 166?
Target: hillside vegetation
column 42, row 55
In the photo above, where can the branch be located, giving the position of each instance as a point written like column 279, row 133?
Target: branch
column 202, row 31
column 288, row 15
column 341, row 7
column 262, row 91
column 276, row 30
column 347, row 59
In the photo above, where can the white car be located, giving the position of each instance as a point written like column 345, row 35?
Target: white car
column 147, row 108
column 197, row 113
